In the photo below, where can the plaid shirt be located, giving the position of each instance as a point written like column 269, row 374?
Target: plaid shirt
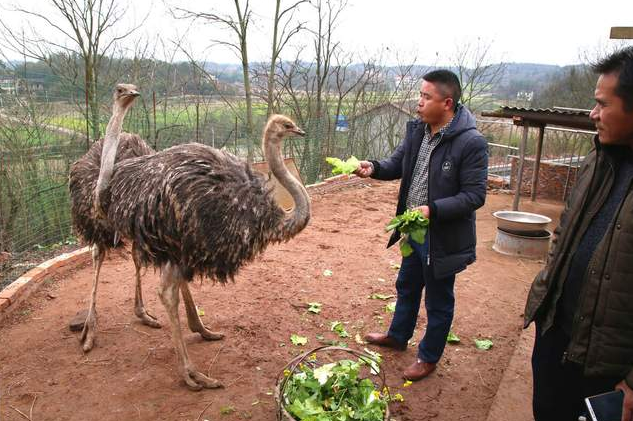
column 419, row 189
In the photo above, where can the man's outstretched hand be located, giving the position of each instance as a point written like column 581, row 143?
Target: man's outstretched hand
column 365, row 169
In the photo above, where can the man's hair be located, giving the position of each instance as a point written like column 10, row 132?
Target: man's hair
column 448, row 83
column 620, row 63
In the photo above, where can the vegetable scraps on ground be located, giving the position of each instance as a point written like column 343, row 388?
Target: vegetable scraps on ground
column 343, row 167
column 452, row 338
column 333, row 392
column 412, row 225
column 484, row 344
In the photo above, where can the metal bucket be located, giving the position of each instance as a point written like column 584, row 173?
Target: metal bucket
column 524, row 223
column 530, row 247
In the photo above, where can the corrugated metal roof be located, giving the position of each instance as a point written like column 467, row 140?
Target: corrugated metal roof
column 555, row 110
column 558, row 116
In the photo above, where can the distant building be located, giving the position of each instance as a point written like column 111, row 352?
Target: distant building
column 20, row 85
column 7, row 85
column 377, row 131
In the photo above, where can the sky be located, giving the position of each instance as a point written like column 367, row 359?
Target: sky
column 427, row 32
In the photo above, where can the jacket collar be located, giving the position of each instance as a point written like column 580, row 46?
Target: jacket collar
column 462, row 121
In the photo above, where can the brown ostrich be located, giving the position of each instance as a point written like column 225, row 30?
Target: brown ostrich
column 194, row 210
column 93, row 229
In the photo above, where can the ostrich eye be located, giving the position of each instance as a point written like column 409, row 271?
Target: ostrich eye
column 288, row 126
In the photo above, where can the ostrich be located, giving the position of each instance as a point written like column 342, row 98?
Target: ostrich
column 197, row 211
column 96, row 230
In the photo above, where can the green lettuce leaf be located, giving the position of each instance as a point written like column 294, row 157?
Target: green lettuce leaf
column 343, row 167
column 298, row 340
column 484, row 344
column 452, row 338
column 405, row 248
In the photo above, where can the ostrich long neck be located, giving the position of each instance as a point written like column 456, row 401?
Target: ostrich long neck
column 298, row 218
column 110, row 146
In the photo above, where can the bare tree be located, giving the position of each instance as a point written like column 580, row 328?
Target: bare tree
column 346, row 81
column 572, row 87
column 87, row 30
column 477, row 73
column 238, row 24
column 324, row 44
column 328, row 13
column 282, row 33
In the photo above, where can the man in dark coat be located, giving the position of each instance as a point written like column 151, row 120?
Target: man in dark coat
column 582, row 300
column 443, row 164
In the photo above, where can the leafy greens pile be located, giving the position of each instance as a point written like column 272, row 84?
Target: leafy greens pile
column 343, row 167
column 333, row 392
column 412, row 225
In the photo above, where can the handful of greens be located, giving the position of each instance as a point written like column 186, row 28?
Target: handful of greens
column 332, row 392
column 412, row 225
column 343, row 167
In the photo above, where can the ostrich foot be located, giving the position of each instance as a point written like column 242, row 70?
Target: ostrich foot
column 146, row 318
column 88, row 333
column 207, row 335
column 195, row 380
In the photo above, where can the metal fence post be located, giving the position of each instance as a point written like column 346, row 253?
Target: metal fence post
column 517, row 194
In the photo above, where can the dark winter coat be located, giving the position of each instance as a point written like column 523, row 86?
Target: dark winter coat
column 602, row 331
column 458, row 170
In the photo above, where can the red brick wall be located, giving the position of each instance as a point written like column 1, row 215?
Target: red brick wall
column 552, row 179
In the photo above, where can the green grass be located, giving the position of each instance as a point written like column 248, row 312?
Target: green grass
column 18, row 137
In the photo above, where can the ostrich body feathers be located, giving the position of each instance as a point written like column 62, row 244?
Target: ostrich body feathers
column 200, row 208
column 82, row 182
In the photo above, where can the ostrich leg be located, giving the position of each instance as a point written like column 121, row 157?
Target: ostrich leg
column 193, row 319
column 139, row 307
column 170, row 281
column 90, row 325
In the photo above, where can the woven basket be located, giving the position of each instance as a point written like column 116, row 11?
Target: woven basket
column 280, row 386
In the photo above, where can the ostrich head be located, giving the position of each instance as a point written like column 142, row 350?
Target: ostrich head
column 278, row 127
column 125, row 94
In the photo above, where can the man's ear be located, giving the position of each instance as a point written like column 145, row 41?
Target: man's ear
column 449, row 104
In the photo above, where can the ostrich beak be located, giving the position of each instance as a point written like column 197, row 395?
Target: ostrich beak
column 298, row 131
column 134, row 93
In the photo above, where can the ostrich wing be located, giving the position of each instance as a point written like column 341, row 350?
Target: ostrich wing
column 198, row 207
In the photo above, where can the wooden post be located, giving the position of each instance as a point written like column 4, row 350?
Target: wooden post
column 621, row 32
column 87, row 116
column 197, row 121
column 522, row 147
column 154, row 111
column 537, row 162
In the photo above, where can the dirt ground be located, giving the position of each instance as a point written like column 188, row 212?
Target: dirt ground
column 131, row 373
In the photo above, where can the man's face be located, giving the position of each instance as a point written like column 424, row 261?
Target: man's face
column 433, row 104
column 614, row 124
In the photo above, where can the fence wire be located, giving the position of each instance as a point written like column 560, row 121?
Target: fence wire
column 42, row 135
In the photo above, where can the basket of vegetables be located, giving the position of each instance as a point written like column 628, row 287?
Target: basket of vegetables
column 316, row 387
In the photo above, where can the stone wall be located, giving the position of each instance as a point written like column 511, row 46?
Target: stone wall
column 554, row 180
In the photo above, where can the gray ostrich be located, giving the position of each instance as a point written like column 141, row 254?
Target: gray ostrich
column 94, row 229
column 197, row 211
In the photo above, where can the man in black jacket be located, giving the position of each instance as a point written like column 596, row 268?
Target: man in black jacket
column 443, row 164
column 581, row 300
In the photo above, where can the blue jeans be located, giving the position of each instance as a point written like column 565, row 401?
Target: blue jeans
column 415, row 274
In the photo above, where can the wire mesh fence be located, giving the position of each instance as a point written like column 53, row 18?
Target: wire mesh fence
column 563, row 150
column 41, row 135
